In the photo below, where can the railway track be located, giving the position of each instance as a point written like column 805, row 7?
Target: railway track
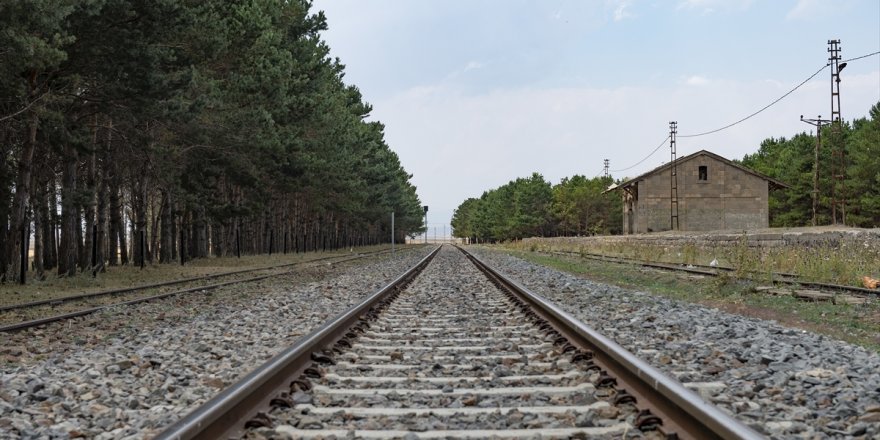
column 32, row 314
column 452, row 349
column 821, row 290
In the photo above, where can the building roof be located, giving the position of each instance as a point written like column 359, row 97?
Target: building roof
column 774, row 184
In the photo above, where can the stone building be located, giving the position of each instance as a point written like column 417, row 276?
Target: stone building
column 713, row 193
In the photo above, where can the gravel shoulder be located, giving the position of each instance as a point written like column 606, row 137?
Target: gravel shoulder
column 784, row 382
column 129, row 372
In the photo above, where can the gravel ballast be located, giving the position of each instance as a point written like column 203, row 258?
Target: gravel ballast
column 783, row 382
column 129, row 372
column 453, row 357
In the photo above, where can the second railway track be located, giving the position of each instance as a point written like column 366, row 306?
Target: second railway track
column 825, row 291
column 456, row 354
column 26, row 315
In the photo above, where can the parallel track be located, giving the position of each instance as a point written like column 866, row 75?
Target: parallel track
column 91, row 308
column 508, row 362
column 713, row 271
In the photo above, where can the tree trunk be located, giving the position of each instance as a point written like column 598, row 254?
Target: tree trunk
column 101, row 212
column 90, row 205
column 50, row 224
column 201, row 224
column 167, row 237
column 117, row 229
column 154, row 217
column 69, row 215
column 39, row 209
column 139, row 220
column 175, row 238
column 20, row 200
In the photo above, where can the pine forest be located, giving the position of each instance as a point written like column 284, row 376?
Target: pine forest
column 170, row 129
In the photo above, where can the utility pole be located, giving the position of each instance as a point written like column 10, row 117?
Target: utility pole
column 392, row 232
column 838, row 149
column 818, row 123
column 606, row 168
column 673, row 178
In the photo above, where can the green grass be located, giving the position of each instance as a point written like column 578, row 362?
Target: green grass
column 857, row 324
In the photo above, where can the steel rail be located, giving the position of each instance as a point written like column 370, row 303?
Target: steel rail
column 714, row 271
column 49, row 319
column 682, row 411
column 224, row 416
column 64, row 299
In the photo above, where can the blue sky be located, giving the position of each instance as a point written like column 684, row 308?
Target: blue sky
column 474, row 94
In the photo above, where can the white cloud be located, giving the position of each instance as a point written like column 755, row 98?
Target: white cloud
column 473, row 65
column 620, row 10
column 707, row 7
column 696, row 80
column 468, row 67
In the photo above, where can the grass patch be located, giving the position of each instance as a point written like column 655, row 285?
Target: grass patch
column 857, row 324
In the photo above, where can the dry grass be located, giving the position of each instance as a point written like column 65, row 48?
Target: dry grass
column 844, row 262
column 127, row 276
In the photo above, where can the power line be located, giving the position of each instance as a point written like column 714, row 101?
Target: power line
column 774, row 102
column 863, row 56
column 757, row 112
column 645, row 158
column 741, row 120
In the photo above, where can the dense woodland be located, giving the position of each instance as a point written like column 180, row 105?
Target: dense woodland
column 183, row 129
column 528, row 207
column 531, row 206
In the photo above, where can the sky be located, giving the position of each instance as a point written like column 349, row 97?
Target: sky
column 474, row 94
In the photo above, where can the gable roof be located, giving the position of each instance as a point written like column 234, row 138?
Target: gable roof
column 774, row 184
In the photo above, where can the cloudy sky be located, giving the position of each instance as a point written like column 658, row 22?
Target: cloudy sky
column 474, row 94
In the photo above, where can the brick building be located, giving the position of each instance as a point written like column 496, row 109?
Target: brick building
column 713, row 193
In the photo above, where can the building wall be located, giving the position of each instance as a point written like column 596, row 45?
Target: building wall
column 728, row 199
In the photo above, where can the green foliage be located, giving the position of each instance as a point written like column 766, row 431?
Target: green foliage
column 791, row 161
column 528, row 207
column 234, row 109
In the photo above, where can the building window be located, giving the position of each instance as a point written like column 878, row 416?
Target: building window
column 703, row 173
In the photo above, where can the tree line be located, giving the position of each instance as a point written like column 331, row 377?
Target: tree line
column 792, row 160
column 531, row 206
column 170, row 130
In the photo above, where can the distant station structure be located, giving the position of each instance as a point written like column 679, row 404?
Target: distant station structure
column 709, row 193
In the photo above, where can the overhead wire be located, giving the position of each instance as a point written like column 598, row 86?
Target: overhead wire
column 645, row 158
column 745, row 118
column 777, row 100
column 863, row 56
column 757, row 112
